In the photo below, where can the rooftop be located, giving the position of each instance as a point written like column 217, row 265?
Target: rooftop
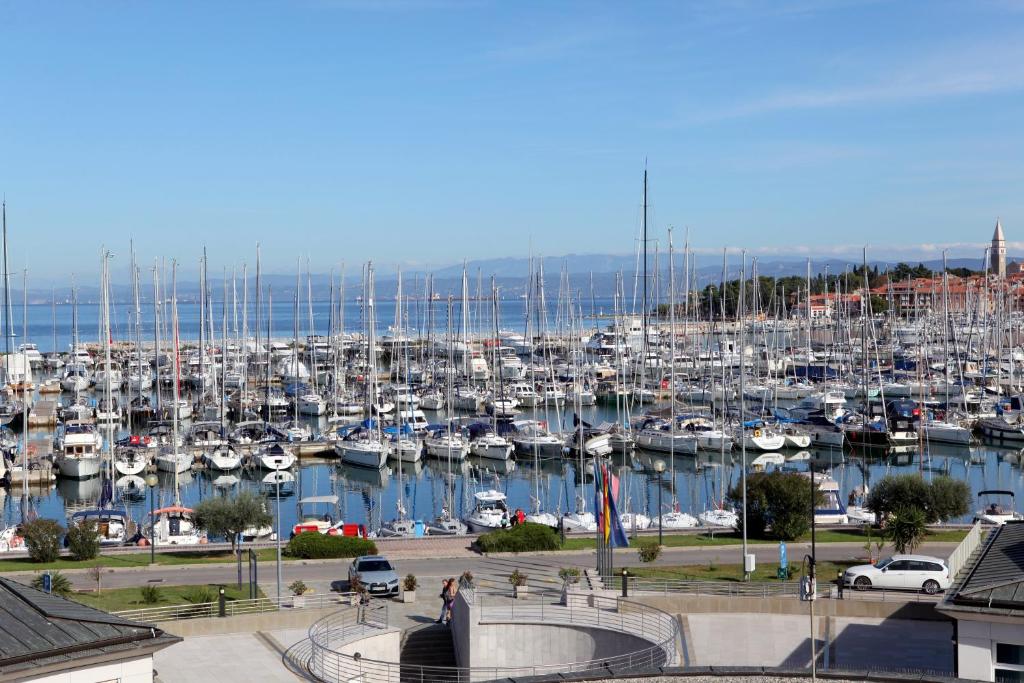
column 42, row 631
column 994, row 582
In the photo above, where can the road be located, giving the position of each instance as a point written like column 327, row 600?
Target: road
column 541, row 567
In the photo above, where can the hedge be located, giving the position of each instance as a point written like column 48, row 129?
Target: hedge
column 519, row 539
column 311, row 545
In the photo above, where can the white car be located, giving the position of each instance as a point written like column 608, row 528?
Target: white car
column 906, row 572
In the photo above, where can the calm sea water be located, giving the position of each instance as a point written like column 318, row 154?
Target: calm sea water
column 695, row 483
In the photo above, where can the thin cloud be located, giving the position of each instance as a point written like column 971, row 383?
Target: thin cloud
column 973, row 70
column 551, row 46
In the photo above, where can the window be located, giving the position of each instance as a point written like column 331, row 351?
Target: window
column 1009, row 654
column 933, row 567
column 1009, row 662
column 899, row 566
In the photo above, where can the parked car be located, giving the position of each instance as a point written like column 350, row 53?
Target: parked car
column 376, row 574
column 901, row 572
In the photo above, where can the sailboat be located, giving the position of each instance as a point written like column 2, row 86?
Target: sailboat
column 174, row 525
column 363, row 445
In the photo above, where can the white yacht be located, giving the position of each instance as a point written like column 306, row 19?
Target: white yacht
column 173, row 525
column 76, row 378
column 490, row 445
column 490, row 512
column 443, row 443
column 222, row 458
column 168, row 460
column 311, row 404
column 77, row 445
column 362, row 451
column 274, row 457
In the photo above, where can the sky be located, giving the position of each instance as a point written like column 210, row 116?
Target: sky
column 423, row 133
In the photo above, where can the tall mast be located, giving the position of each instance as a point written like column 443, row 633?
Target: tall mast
column 177, row 376
column 7, row 293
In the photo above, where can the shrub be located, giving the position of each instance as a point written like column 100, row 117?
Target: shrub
column 569, row 574
column 42, row 536
column 199, row 595
column 906, row 529
column 311, row 545
column 521, row 538
column 83, row 540
column 517, row 578
column 649, row 551
column 298, row 587
column 150, row 594
column 778, row 505
column 410, row 583
column 59, row 584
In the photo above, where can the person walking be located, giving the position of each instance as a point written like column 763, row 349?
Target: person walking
column 444, row 600
column 452, row 589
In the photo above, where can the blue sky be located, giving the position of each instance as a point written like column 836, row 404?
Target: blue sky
column 427, row 132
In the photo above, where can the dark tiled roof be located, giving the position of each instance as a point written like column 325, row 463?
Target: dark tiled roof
column 996, row 581
column 40, row 629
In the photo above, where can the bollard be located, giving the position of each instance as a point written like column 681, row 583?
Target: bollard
column 221, row 603
column 839, row 581
column 625, row 583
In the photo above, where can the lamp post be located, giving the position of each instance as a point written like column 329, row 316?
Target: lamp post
column 151, row 482
column 659, row 467
column 277, row 482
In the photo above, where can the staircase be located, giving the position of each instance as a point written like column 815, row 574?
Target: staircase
column 426, row 645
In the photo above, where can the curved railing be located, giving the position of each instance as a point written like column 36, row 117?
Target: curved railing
column 588, row 610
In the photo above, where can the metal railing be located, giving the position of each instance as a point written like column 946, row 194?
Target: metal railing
column 660, row 629
column 959, row 557
column 750, row 589
column 234, row 607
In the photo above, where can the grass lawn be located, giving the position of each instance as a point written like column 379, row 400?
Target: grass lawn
column 852, row 535
column 23, row 564
column 117, row 599
column 827, row 571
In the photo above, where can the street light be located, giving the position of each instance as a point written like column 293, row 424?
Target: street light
column 659, row 467
column 277, row 482
column 151, row 482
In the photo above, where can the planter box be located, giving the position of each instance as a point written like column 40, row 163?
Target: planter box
column 298, row 601
column 521, row 591
column 408, row 596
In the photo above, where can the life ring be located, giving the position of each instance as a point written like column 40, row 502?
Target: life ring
column 757, row 433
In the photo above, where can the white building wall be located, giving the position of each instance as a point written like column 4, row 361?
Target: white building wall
column 138, row 670
column 976, row 646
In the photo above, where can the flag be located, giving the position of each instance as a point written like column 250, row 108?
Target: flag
column 611, row 525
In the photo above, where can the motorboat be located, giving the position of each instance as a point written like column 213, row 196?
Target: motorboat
column 77, row 445
column 996, row 507
column 489, row 513
column 830, row 509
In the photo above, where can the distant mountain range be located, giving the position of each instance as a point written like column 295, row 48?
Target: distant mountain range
column 510, row 274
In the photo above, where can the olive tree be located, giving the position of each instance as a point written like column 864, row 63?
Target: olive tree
column 229, row 517
column 778, row 505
